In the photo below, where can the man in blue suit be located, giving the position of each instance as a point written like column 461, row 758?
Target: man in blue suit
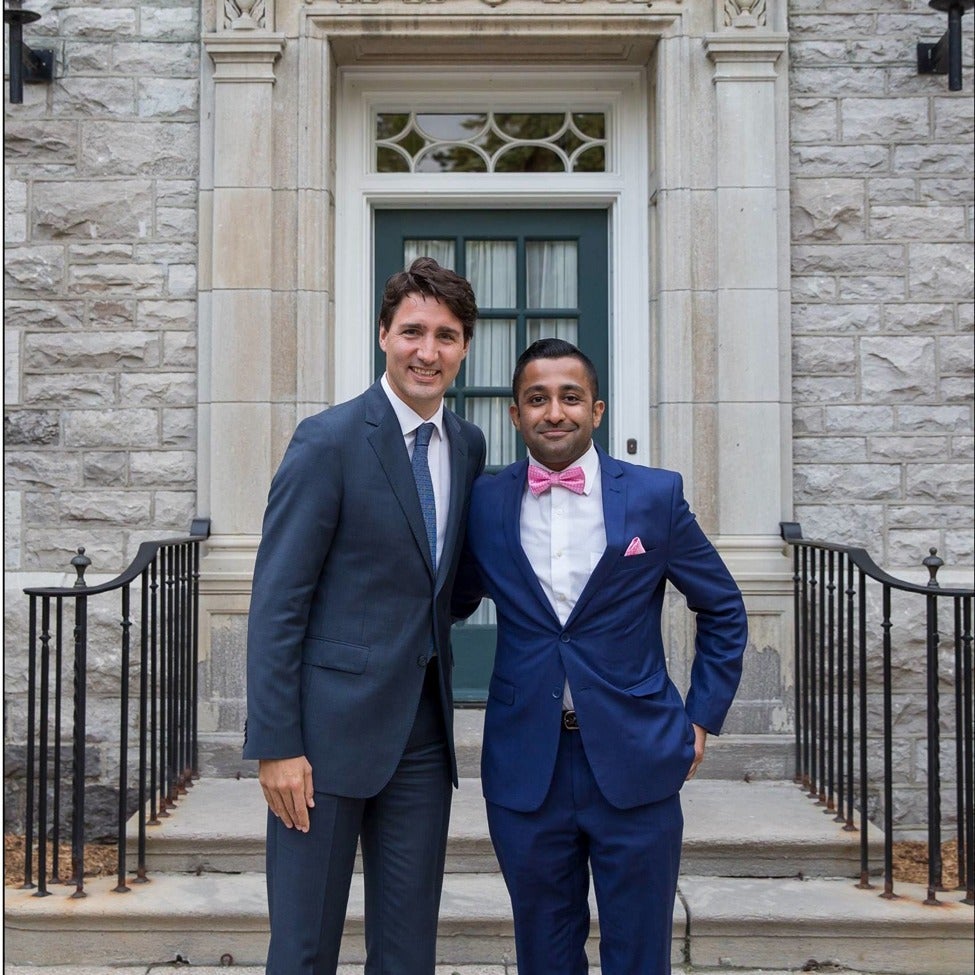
column 586, row 740
column 350, row 708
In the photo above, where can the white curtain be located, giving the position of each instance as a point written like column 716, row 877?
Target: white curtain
column 553, row 328
column 492, row 273
column 552, row 267
column 492, row 353
column 490, row 413
column 485, row 615
column 442, row 251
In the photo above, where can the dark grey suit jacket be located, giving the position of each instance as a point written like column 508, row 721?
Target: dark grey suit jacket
column 345, row 604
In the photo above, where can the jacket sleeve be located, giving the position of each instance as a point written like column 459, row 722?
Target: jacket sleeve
column 302, row 512
column 697, row 571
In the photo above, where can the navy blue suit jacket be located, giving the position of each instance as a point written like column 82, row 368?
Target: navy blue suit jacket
column 345, row 604
column 635, row 727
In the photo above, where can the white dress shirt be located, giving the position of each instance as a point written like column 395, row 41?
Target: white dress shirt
column 438, row 455
column 564, row 536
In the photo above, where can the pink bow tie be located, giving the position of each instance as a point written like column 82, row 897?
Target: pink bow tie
column 539, row 481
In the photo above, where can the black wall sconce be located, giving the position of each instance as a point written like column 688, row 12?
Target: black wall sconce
column 944, row 56
column 25, row 64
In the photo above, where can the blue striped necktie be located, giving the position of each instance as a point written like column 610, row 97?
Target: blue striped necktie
column 424, row 486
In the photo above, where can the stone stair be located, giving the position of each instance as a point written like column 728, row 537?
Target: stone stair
column 766, row 885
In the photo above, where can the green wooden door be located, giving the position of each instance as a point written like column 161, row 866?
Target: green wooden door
column 536, row 274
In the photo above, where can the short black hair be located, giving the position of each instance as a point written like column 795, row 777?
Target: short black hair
column 554, row 349
column 426, row 277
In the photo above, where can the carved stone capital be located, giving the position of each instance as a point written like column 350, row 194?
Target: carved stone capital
column 745, row 55
column 244, row 56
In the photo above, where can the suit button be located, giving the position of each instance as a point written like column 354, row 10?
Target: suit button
column 421, row 661
column 565, row 638
column 557, row 692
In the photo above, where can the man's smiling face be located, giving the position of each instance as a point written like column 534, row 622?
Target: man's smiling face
column 556, row 412
column 424, row 348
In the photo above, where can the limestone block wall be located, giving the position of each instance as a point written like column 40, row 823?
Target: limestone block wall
column 100, row 237
column 882, row 292
column 100, row 233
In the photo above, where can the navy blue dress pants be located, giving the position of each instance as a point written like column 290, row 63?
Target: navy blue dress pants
column 546, row 856
column 403, row 834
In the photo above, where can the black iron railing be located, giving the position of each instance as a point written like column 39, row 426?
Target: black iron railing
column 156, row 650
column 852, row 621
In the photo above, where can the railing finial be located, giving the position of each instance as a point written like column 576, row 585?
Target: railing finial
column 933, row 563
column 80, row 563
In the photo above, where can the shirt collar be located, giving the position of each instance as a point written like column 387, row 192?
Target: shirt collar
column 408, row 418
column 589, row 462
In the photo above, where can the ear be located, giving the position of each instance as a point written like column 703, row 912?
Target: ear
column 383, row 335
column 598, row 408
column 515, row 416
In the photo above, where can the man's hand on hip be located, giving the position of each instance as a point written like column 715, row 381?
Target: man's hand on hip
column 287, row 786
column 700, row 738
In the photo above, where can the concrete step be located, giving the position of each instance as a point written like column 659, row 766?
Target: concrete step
column 734, row 923
column 732, row 829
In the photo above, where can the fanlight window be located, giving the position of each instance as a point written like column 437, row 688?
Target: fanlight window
column 490, row 142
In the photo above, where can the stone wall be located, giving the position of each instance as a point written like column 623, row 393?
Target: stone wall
column 100, row 233
column 882, row 261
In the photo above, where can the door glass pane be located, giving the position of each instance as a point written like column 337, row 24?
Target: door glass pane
column 491, row 272
column 490, row 413
column 553, row 328
column 552, row 268
column 530, row 159
column 485, row 614
column 492, row 354
column 450, row 126
column 442, row 251
column 490, row 142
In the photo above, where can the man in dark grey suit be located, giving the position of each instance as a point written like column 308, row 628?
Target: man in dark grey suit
column 350, row 708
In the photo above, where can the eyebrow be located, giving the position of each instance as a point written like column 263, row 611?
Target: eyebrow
column 566, row 388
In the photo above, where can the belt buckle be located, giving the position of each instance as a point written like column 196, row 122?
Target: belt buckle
column 569, row 721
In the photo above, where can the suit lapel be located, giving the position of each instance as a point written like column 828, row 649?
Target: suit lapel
column 614, row 518
column 386, row 438
column 511, row 520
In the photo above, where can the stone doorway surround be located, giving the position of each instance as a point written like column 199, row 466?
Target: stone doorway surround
column 718, row 385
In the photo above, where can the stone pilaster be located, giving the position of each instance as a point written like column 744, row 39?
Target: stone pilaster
column 237, row 244
column 752, row 289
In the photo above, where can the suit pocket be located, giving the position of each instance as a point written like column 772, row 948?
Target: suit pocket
column 653, row 684
column 348, row 657
column 631, row 563
column 501, row 690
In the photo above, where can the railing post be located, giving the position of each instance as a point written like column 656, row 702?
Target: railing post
column 140, row 872
column 969, row 763
column 933, row 638
column 80, row 562
column 886, row 625
column 29, row 758
column 123, row 767
column 154, row 774
column 850, row 693
column 862, row 700
column 58, row 665
column 44, row 761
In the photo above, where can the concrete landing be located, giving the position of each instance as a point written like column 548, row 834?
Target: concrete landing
column 732, row 829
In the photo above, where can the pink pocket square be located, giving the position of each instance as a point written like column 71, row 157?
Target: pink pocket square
column 635, row 547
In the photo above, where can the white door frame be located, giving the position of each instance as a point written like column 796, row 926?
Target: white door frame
column 622, row 191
